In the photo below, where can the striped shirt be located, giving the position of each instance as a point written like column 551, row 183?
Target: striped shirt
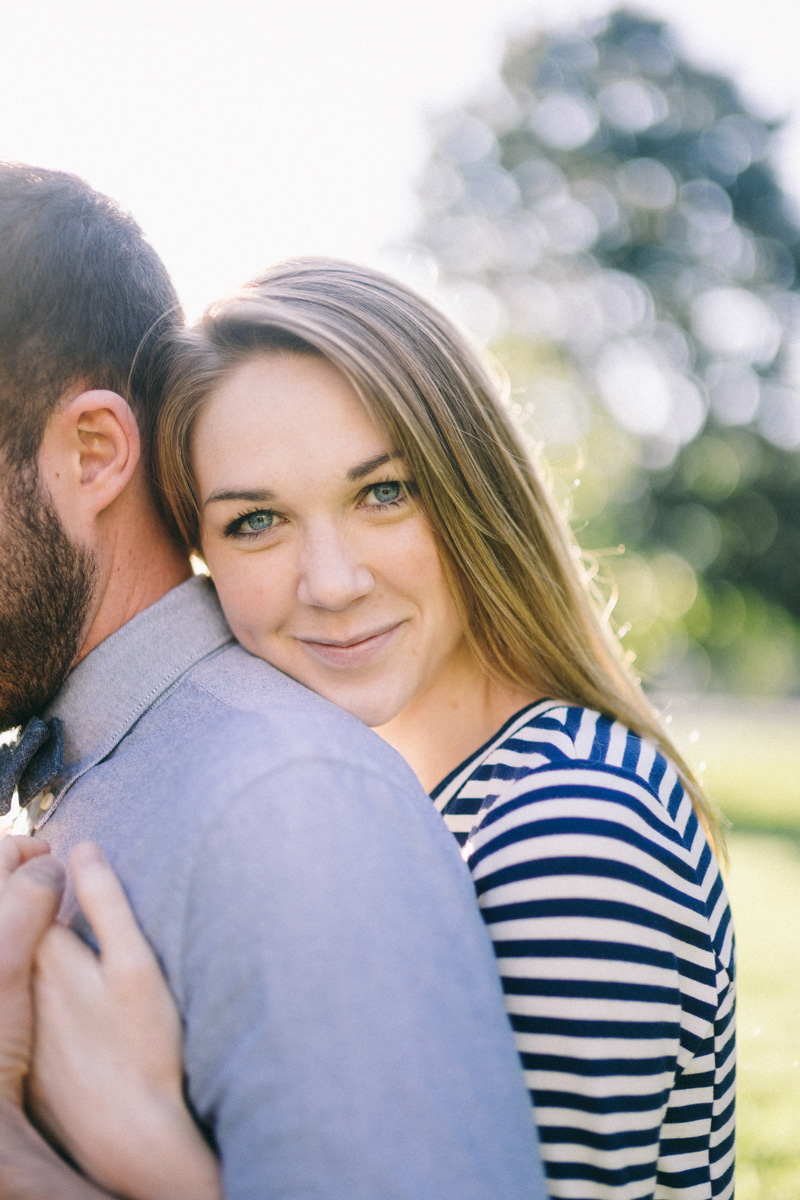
column 615, row 945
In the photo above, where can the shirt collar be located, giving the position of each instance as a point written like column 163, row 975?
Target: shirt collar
column 107, row 692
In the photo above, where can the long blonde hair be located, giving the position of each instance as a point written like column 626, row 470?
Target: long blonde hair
column 511, row 562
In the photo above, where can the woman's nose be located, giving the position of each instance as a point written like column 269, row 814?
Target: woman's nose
column 332, row 575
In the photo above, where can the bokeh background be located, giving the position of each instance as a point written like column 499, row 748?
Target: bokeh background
column 609, row 199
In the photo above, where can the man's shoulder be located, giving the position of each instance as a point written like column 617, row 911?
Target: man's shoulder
column 236, row 708
column 240, row 682
column 235, row 745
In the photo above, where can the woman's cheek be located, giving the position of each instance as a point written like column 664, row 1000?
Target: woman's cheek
column 412, row 553
column 264, row 595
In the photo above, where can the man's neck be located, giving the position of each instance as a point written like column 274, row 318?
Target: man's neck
column 143, row 566
column 126, row 605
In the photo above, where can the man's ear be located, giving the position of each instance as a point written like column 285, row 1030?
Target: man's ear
column 89, row 452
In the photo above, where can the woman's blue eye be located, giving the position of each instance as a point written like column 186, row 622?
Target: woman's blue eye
column 249, row 525
column 255, row 522
column 385, row 493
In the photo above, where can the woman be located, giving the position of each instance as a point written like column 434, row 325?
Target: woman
column 338, row 455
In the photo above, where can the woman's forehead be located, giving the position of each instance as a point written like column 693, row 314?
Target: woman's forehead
column 286, row 413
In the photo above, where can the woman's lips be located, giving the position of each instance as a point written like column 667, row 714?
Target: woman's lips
column 350, row 653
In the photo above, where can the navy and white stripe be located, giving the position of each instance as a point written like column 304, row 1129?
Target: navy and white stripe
column 615, row 946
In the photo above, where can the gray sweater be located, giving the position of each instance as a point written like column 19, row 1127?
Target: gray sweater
column 345, row 1031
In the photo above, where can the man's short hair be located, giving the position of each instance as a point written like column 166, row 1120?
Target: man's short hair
column 84, row 301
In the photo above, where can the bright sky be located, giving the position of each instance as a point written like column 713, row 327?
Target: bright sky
column 243, row 132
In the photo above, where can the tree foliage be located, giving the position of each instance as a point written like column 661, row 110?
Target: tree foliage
column 609, row 219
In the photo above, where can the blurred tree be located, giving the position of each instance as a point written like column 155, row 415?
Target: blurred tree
column 608, row 219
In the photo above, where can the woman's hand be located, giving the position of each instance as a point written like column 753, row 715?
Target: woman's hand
column 106, row 1079
column 31, row 884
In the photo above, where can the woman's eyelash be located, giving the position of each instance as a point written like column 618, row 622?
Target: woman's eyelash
column 234, row 527
column 406, row 489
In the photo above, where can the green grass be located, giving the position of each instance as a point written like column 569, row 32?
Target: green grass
column 764, row 885
column 753, row 771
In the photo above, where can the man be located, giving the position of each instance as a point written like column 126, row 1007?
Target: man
column 345, row 1035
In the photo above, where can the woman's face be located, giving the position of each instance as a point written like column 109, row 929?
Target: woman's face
column 323, row 561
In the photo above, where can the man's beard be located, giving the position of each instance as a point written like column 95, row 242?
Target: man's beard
column 46, row 587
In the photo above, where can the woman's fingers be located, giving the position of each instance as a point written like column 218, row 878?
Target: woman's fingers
column 60, row 955
column 106, row 908
column 14, row 851
column 28, row 906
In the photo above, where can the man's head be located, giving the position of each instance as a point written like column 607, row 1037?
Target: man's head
column 84, row 301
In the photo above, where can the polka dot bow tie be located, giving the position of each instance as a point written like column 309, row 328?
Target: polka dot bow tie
column 30, row 763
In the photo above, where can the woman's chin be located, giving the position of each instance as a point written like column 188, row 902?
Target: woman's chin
column 373, row 711
column 374, row 703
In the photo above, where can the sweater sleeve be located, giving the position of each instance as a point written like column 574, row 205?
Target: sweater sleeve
column 597, row 904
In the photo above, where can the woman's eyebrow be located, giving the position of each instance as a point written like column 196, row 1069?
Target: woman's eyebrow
column 371, row 464
column 225, row 494
column 263, row 494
